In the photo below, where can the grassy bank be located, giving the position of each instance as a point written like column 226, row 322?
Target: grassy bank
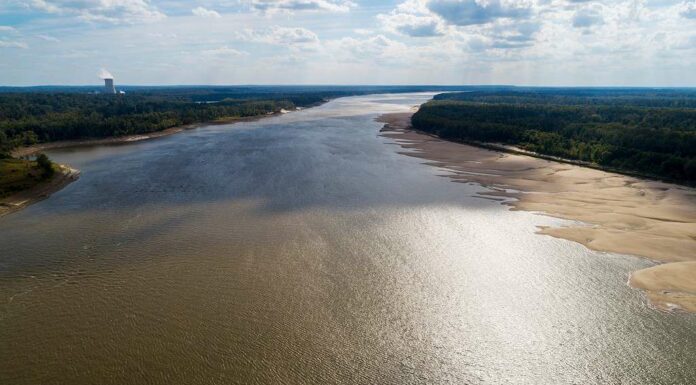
column 19, row 175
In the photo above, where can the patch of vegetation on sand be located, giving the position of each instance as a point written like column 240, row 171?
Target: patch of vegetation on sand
column 19, row 175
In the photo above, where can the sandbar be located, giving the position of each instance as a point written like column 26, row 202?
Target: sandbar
column 615, row 213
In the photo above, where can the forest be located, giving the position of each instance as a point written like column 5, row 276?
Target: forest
column 31, row 115
column 29, row 118
column 640, row 131
column 45, row 114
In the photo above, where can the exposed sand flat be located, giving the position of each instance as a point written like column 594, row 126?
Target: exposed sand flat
column 669, row 285
column 621, row 214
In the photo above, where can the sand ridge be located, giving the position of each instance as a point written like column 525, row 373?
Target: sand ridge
column 620, row 214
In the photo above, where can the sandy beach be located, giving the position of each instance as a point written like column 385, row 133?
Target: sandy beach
column 619, row 213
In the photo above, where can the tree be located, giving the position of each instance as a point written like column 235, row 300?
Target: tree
column 633, row 131
column 690, row 169
column 45, row 165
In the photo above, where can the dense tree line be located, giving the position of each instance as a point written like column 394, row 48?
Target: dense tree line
column 639, row 132
column 637, row 97
column 33, row 118
column 44, row 114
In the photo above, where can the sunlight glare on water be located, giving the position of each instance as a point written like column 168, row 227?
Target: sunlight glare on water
column 305, row 249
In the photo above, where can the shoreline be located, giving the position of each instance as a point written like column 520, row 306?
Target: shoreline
column 25, row 151
column 618, row 213
column 68, row 175
column 510, row 149
column 63, row 177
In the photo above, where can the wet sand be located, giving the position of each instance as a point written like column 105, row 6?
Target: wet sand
column 616, row 213
column 43, row 190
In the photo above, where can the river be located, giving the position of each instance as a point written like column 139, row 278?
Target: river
column 304, row 249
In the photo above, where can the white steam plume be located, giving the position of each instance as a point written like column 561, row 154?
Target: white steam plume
column 104, row 74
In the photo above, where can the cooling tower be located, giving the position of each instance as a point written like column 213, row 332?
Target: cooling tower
column 109, row 86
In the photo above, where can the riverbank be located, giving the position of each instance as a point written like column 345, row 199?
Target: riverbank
column 25, row 151
column 66, row 175
column 619, row 213
column 62, row 177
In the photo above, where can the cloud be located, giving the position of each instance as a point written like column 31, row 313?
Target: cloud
column 412, row 19
column 48, row 38
column 587, row 17
column 44, row 6
column 224, row 53
column 639, row 42
column 7, row 28
column 280, row 36
column 302, row 5
column 107, row 11
column 430, row 18
column 688, row 9
column 519, row 35
column 202, row 12
column 13, row 44
column 419, row 27
column 473, row 12
column 475, row 26
column 376, row 48
column 501, row 38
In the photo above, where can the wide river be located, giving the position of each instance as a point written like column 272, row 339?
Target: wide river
column 305, row 249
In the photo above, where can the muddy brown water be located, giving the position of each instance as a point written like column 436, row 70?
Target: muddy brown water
column 304, row 249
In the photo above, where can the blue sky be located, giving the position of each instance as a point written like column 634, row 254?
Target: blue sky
column 523, row 42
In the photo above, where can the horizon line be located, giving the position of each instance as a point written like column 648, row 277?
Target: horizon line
column 352, row 85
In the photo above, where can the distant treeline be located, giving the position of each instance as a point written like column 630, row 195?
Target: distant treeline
column 32, row 118
column 650, row 132
column 44, row 114
column 636, row 97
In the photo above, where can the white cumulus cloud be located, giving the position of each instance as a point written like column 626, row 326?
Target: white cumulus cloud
column 203, row 12
column 280, row 36
column 412, row 18
column 224, row 53
column 302, row 5
column 688, row 9
column 472, row 12
column 108, row 11
column 48, row 38
column 587, row 17
column 13, row 44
